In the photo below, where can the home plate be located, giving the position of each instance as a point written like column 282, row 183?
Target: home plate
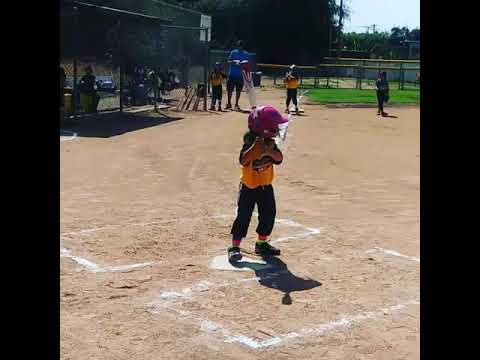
column 246, row 264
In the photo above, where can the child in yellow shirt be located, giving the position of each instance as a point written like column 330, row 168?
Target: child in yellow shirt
column 257, row 157
column 216, row 80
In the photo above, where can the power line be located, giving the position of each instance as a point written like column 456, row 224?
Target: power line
column 373, row 26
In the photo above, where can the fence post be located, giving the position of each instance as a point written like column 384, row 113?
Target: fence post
column 363, row 74
column 336, row 70
column 400, row 77
column 328, row 77
column 74, row 87
column 403, row 77
column 120, row 62
column 355, row 76
column 274, row 77
column 205, row 72
column 209, row 59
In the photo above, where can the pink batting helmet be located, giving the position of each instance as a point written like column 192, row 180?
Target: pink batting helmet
column 266, row 121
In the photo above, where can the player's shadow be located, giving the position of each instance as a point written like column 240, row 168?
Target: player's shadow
column 276, row 275
column 390, row 116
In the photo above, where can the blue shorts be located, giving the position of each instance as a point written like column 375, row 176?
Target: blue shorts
column 235, row 82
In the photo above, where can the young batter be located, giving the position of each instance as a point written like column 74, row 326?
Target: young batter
column 292, row 81
column 257, row 157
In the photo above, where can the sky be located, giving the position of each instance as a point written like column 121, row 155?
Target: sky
column 384, row 13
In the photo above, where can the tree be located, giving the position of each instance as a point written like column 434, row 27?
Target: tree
column 389, row 45
column 286, row 31
column 414, row 35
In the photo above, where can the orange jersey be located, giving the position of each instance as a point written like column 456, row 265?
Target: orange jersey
column 216, row 78
column 291, row 81
column 260, row 171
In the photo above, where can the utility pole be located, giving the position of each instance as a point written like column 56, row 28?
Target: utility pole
column 373, row 26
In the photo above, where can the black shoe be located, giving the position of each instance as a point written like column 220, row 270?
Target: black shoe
column 234, row 254
column 266, row 249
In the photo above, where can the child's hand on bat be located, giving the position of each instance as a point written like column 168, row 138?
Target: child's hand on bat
column 258, row 147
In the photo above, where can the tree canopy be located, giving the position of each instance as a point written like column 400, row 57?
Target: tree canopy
column 284, row 31
column 389, row 45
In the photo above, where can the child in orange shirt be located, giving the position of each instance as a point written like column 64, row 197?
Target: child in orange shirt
column 216, row 79
column 291, row 81
column 257, row 157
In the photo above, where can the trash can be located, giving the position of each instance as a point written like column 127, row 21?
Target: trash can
column 257, row 78
column 140, row 95
column 68, row 103
column 86, row 102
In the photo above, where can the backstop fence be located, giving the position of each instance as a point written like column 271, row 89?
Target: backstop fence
column 136, row 59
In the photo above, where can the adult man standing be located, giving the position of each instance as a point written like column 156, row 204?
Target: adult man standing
column 235, row 78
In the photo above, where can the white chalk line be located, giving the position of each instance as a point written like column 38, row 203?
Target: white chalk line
column 168, row 299
column 95, row 268
column 393, row 253
column 116, row 226
column 87, row 264
column 287, row 222
column 203, row 286
column 92, row 267
column 71, row 137
column 141, row 224
column 318, row 330
column 321, row 329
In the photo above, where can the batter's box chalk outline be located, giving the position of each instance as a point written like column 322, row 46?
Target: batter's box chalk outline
column 71, row 135
column 95, row 268
column 117, row 226
column 308, row 231
column 322, row 329
column 203, row 287
column 392, row 253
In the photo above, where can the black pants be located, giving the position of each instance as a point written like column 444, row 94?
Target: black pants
column 292, row 95
column 264, row 197
column 216, row 94
column 380, row 100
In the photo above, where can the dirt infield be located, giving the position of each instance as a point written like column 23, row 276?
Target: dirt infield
column 146, row 210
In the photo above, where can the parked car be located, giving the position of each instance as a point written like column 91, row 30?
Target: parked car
column 106, row 85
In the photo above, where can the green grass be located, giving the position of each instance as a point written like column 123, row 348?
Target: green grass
column 354, row 96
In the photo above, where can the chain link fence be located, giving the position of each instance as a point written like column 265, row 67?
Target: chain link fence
column 347, row 73
column 115, row 59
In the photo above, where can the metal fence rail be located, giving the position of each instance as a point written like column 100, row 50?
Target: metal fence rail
column 348, row 73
